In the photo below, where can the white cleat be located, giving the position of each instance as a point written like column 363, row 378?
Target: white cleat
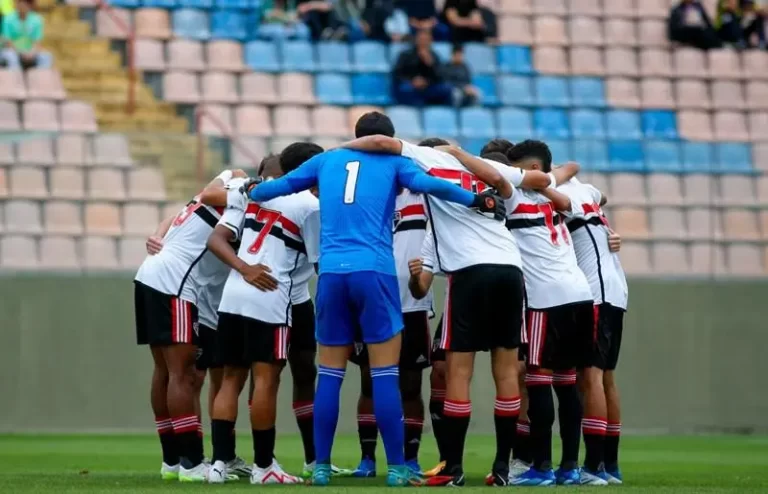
column 218, row 473
column 613, row 480
column 169, row 472
column 517, row 467
column 273, row 474
column 195, row 474
column 238, row 467
column 588, row 478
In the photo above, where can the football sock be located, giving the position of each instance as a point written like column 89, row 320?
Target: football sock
column 388, row 408
column 594, row 441
column 505, row 414
column 368, row 434
column 456, row 423
column 569, row 414
column 541, row 414
column 436, row 398
column 612, row 435
column 190, row 445
column 327, row 410
column 167, row 440
column 522, row 448
column 223, row 432
column 413, row 429
column 304, row 412
column 263, row 447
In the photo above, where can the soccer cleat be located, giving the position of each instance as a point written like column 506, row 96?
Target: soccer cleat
column 535, row 478
column 219, row 472
column 169, row 472
column 198, row 473
column 517, row 468
column 402, row 476
column 593, row 478
column 306, row 473
column 435, row 470
column 366, row 469
column 499, row 475
column 273, row 474
column 321, row 474
column 445, row 478
column 238, row 467
column 568, row 477
column 614, row 477
column 414, row 467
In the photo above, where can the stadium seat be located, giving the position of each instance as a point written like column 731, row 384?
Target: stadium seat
column 591, row 155
column 22, row 216
column 333, row 89
column 587, row 124
column 632, row 222
column 757, row 95
column 668, row 223
column 551, row 123
column 195, row 4
column 745, row 260
column 99, row 253
column 552, row 91
column 730, row 126
column 481, row 58
column 670, row 258
column 513, row 59
column 655, row 62
column 628, row 189
column 225, row 55
column 44, row 84
column 487, row 86
column 152, row 23
column 102, row 219
column 219, row 87
column 477, row 123
column 262, row 56
column 440, row 121
column 111, row 150
column 27, row 182
column 755, row 64
column 40, row 116
column 132, row 252
column 253, row 120
column 657, row 93
column 330, row 121
column 665, row 189
column 740, row 225
column 733, row 157
column 516, row 90
column 659, row 124
column 623, row 124
column 551, row 60
column 371, row 89
column 106, row 184
column 395, row 49
column 585, row 7
column 181, row 87
column 695, row 125
column 114, row 24
column 728, row 95
column 585, row 31
column 515, row 30
column 126, row 4
column 724, row 64
column 584, row 61
column 549, row 31
column 18, row 252
column 149, row 56
column 552, row 7
column 258, row 88
column 299, row 56
column 444, row 51
column 58, row 252
column 146, row 184
column 12, row 85
column 514, row 123
column 561, row 150
column 67, row 183
column 622, row 92
column 587, row 91
column 73, row 150
column 35, row 152
column 406, row 120
column 77, row 116
column 663, row 156
column 235, row 4
column 296, row 88
column 635, row 258
column 692, row 94
column 370, row 56
column 333, row 56
column 9, row 116
column 160, row 4
column 736, row 190
column 64, row 218
column 247, row 152
column 620, row 32
column 699, row 190
column 626, row 155
column 185, row 54
column 652, row 32
column 690, row 62
column 191, row 23
column 291, row 121
column 140, row 218
column 228, row 24
column 621, row 62
column 758, row 126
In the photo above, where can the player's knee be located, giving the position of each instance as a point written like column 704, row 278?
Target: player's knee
column 437, row 376
column 410, row 385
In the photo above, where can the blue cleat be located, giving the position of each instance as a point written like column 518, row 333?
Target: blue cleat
column 366, row 469
column 414, row 467
column 593, row 478
column 535, row 478
column 402, row 476
column 568, row 477
column 321, row 475
column 614, row 477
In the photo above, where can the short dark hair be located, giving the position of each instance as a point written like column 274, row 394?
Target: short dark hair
column 296, row 154
column 433, row 142
column 532, row 149
column 374, row 123
column 267, row 161
column 498, row 157
column 457, row 48
column 497, row 145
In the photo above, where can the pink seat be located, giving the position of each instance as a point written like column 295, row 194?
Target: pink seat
column 655, row 63
column 587, row 61
column 102, row 219
column 619, row 8
column 296, row 88
column 622, row 93
column 657, row 93
column 755, row 63
column 728, row 95
column 724, row 64
column 256, row 87
column 699, row 190
column 328, row 142
column 585, row 31
column 7, row 155
column 184, row 54
column 111, row 150
column 736, row 190
column 173, row 209
column 731, row 126
column 757, row 95
column 292, row 121
column 9, row 116
column 253, row 120
column 551, row 7
column 549, row 31
column 658, row 9
column 78, row 116
column 664, row 190
column 760, row 156
column 99, row 253
column 28, row 182
column 330, row 121
column 621, row 61
column 740, row 225
column 215, row 120
column 181, row 87
column 668, row 223
column 758, row 126
column 219, row 87
column 146, row 184
column 133, row 251
column 601, row 183
column 635, row 258
column 113, row 23
column 692, row 94
column 41, row 116
column 516, row 6
column 704, row 224
column 225, row 55
column 762, row 192
column 3, row 184
column 23, row 217
column 73, row 149
column 695, row 125
column 670, row 258
column 707, row 258
column 585, row 7
column 152, row 23
column 550, row 60
column 37, row 151
column 140, row 219
column 63, row 218
column 277, row 144
column 12, row 85
column 150, row 55
column 58, row 252
column 67, row 183
column 247, row 152
column 18, row 252
column 45, row 84
column 652, row 33
column 515, row 30
column 620, row 32
column 745, row 260
column 631, row 222
column 628, row 189
column 106, row 183
column 690, row 62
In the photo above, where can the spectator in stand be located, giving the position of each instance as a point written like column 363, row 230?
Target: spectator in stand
column 6, row 7
column 491, row 25
column 465, row 20
column 689, row 24
column 322, row 19
column 739, row 22
column 280, row 21
column 22, row 32
column 422, row 15
column 417, row 77
column 457, row 74
column 377, row 20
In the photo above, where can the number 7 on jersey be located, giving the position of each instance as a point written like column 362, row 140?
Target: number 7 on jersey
column 350, row 187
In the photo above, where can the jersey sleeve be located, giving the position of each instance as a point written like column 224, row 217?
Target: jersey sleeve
column 511, row 174
column 428, row 257
column 423, row 156
column 310, row 232
column 234, row 215
column 302, row 178
column 414, row 179
column 573, row 192
column 594, row 193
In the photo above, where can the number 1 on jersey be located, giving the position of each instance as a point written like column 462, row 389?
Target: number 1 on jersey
column 350, row 187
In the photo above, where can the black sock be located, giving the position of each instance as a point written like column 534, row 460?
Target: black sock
column 436, row 414
column 505, row 414
column 594, row 442
column 190, row 448
column 223, row 432
column 305, row 419
column 167, row 441
column 541, row 413
column 569, row 414
column 522, row 448
column 456, row 424
column 263, row 447
column 368, row 434
column 612, row 435
column 413, row 429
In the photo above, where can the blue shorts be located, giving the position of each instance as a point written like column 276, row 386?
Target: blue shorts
column 362, row 306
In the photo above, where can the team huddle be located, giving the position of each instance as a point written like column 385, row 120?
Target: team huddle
column 532, row 276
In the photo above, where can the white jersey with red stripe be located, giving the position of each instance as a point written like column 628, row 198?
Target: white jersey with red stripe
column 589, row 229
column 410, row 228
column 464, row 238
column 552, row 276
column 280, row 234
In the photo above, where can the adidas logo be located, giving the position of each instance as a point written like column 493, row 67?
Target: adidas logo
column 421, row 359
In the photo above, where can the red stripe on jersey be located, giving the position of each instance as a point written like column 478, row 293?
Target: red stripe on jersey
column 528, row 209
column 287, row 224
column 594, row 208
column 412, row 210
column 219, row 209
column 466, row 179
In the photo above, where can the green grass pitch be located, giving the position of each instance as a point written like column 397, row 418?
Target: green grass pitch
column 112, row 464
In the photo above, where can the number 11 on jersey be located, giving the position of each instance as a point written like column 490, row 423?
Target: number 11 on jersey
column 353, row 168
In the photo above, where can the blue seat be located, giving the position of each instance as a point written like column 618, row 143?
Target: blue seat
column 588, row 91
column 513, row 59
column 480, row 57
column 444, row 50
column 160, row 4
column 191, row 24
column 233, row 4
column 587, row 123
column 592, row 155
column 623, row 124
column 487, row 86
column 372, row 89
column 561, row 150
column 262, row 56
column 473, row 146
column 125, row 4
column 195, row 4
column 370, row 56
column 659, row 124
column 477, row 123
column 298, row 56
column 333, row 56
column 663, row 156
column 333, row 89
column 228, row 24
column 440, row 122
column 407, row 121
column 626, row 156
column 551, row 123
column 516, row 90
column 733, row 157
column 515, row 123
column 395, row 49
column 697, row 157
column 552, row 91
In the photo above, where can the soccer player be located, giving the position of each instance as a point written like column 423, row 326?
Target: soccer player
column 596, row 246
column 166, row 291
column 358, row 283
column 276, row 238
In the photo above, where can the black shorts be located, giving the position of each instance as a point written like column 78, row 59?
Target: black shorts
column 208, row 352
column 303, row 328
column 606, row 337
column 244, row 341
column 560, row 338
column 483, row 309
column 163, row 319
column 438, row 354
column 415, row 351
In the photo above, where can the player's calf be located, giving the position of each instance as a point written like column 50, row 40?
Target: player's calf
column 541, row 414
column 304, row 373
column 169, row 469
column 182, row 378
column 569, row 415
column 413, row 412
column 367, row 431
column 506, row 412
column 223, row 418
column 613, row 429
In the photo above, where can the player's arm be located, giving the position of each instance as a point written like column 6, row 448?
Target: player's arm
column 564, row 173
column 375, row 144
column 560, row 201
column 421, row 279
column 155, row 241
column 302, row 178
column 482, row 170
column 215, row 194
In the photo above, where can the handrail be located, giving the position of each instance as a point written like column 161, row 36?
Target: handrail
column 130, row 53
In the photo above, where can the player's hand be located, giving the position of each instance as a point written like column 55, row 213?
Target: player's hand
column 249, row 184
column 614, row 241
column 415, row 266
column 258, row 276
column 238, row 173
column 491, row 204
column 154, row 245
